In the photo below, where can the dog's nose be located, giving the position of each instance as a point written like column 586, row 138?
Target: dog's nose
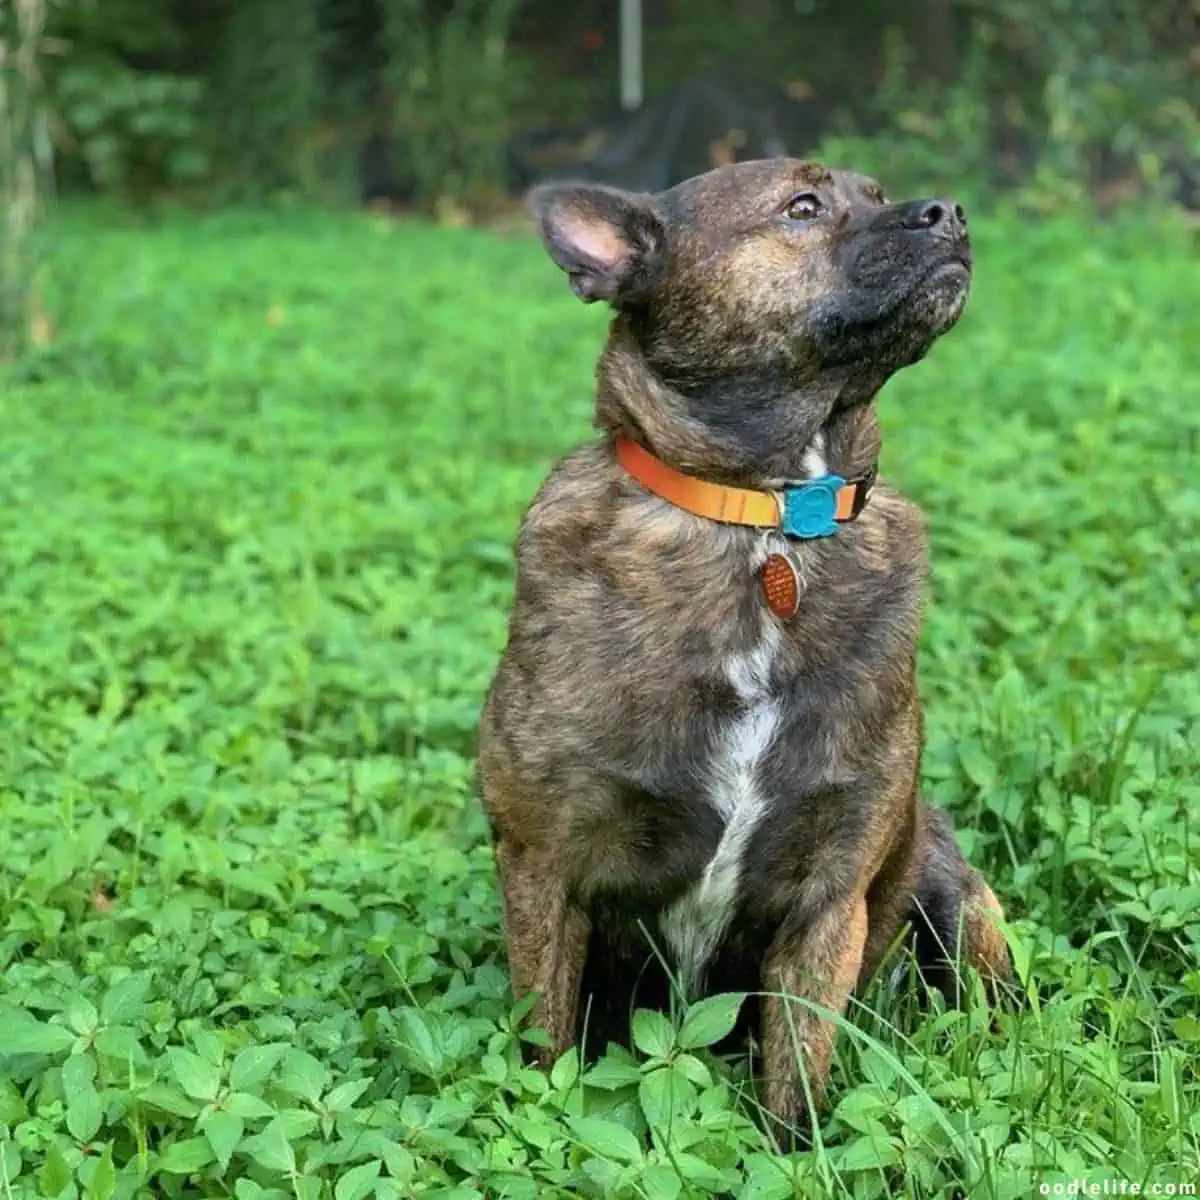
column 940, row 216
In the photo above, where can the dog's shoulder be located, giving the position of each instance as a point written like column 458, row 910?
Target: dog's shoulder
column 572, row 513
column 579, row 487
column 891, row 535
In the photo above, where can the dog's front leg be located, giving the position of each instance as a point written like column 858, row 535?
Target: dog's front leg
column 547, row 942
column 819, row 963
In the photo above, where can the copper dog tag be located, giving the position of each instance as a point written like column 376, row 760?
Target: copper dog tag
column 781, row 586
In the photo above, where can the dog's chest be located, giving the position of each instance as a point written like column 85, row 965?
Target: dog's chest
column 694, row 925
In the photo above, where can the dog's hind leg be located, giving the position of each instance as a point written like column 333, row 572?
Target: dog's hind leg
column 953, row 913
column 547, row 942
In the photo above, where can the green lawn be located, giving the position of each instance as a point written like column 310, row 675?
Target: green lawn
column 259, row 496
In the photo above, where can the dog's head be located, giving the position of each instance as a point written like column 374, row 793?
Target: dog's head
column 764, row 280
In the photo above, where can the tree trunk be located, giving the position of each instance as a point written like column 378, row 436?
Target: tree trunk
column 24, row 160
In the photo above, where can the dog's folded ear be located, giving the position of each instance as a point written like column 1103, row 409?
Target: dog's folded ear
column 610, row 243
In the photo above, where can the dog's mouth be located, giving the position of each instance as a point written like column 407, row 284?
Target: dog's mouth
column 947, row 281
column 945, row 289
column 956, row 263
column 921, row 304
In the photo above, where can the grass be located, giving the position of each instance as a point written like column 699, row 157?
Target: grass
column 259, row 497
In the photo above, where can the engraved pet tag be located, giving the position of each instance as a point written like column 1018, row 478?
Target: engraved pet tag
column 781, row 585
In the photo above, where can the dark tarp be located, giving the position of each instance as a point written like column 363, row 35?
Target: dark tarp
column 705, row 122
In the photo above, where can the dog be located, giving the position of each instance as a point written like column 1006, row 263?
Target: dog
column 699, row 753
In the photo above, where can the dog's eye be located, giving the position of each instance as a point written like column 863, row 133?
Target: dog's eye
column 804, row 207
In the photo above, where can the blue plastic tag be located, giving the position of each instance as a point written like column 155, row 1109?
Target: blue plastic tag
column 810, row 508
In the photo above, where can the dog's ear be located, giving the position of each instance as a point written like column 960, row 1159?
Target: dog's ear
column 610, row 243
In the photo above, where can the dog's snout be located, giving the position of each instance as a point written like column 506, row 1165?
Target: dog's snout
column 939, row 216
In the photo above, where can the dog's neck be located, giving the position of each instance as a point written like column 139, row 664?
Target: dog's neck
column 743, row 430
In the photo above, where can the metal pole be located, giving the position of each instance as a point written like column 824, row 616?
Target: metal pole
column 631, row 54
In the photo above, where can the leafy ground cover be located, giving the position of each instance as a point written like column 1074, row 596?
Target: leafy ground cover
column 259, row 495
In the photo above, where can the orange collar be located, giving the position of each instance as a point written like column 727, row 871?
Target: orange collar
column 811, row 509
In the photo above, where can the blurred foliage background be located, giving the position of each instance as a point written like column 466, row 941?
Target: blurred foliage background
column 237, row 96
column 454, row 106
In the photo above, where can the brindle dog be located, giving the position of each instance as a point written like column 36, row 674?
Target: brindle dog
column 664, row 761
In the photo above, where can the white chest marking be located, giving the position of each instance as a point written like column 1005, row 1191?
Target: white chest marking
column 694, row 925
